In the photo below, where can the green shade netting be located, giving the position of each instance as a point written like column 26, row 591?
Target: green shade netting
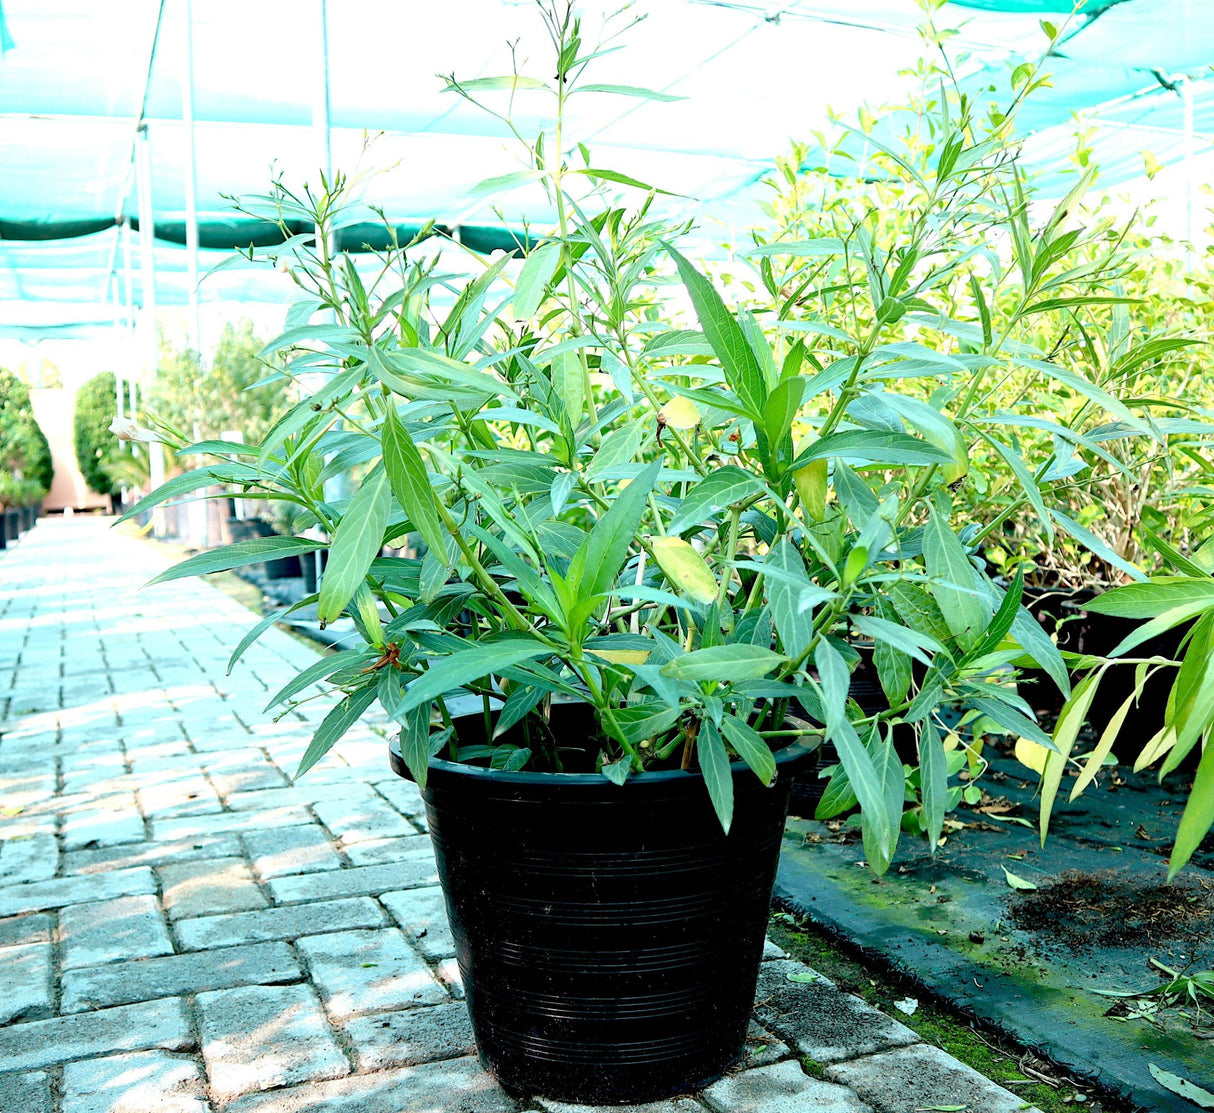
column 76, row 78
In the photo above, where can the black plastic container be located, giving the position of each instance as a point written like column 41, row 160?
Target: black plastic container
column 609, row 937
column 310, row 563
column 12, row 524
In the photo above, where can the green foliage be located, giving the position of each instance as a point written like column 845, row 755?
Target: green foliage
column 25, row 456
column 227, row 395
column 96, row 447
column 687, row 521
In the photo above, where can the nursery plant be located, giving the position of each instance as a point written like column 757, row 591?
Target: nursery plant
column 656, row 527
column 25, row 456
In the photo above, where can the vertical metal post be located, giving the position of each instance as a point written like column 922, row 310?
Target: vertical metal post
column 151, row 338
column 128, row 278
column 1190, row 151
column 191, row 179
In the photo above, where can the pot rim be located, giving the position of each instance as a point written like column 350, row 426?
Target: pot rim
column 799, row 748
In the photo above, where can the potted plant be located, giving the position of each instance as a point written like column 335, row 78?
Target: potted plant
column 653, row 537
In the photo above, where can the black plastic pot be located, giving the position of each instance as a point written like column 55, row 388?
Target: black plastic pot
column 609, row 937
column 12, row 524
column 284, row 568
column 244, row 529
column 310, row 563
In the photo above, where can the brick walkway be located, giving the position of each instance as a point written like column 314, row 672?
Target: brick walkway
column 182, row 930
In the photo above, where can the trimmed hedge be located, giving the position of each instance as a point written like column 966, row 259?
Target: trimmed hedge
column 96, row 409
column 25, row 456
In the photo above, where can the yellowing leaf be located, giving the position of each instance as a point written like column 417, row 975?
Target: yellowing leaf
column 685, row 568
column 1031, row 754
column 1014, row 881
column 623, row 656
column 811, row 488
column 679, row 413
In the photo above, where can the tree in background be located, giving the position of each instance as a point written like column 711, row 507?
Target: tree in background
column 96, row 446
column 204, row 404
column 25, row 455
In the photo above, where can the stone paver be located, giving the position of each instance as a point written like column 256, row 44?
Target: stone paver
column 363, row 971
column 288, row 922
column 110, row 930
column 141, row 1082
column 61, row 1039
column 291, row 850
column 26, row 1093
column 208, row 929
column 819, row 1020
column 208, row 887
column 27, row 982
column 423, row 914
column 922, row 1076
column 451, row 1086
column 93, row 987
column 263, row 1037
column 784, row 1087
column 401, row 1039
column 361, row 881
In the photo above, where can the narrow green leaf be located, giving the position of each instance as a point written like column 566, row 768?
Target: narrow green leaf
column 874, row 447
column 723, row 663
column 954, row 582
column 1070, row 721
column 721, row 329
column 1198, row 815
column 253, row 551
column 719, row 489
column 183, row 484
column 750, row 747
column 410, row 482
column 1150, row 600
column 714, row 765
column 532, row 285
column 1086, row 537
column 628, row 91
column 597, row 563
column 933, row 781
column 317, row 671
column 356, row 542
column 261, row 627
column 414, row 741
column 785, row 592
column 465, row 665
column 339, row 720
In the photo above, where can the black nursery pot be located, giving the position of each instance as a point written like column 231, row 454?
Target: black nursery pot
column 609, row 936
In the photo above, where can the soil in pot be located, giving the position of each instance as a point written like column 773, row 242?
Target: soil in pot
column 609, row 936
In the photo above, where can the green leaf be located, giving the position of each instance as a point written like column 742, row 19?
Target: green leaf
column 683, row 566
column 410, row 482
column 339, row 720
column 933, row 781
column 356, row 542
column 874, row 447
column 784, row 595
column 750, row 747
column 261, row 627
column 596, row 564
column 1091, row 541
column 628, row 91
column 510, row 82
column 1150, row 600
column 621, row 179
column 1025, row 478
column 618, row 447
column 954, row 582
column 1198, row 1095
column 907, row 641
column 415, row 741
column 253, row 551
column 317, row 671
column 721, row 329
column 723, row 663
column 617, row 771
column 719, row 489
column 465, row 665
column 880, row 829
column 1198, row 815
column 714, row 765
column 182, row 484
column 1014, row 881
column 532, row 285
column 781, row 410
column 1070, row 721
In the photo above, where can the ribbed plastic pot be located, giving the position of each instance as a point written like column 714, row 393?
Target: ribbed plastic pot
column 608, row 936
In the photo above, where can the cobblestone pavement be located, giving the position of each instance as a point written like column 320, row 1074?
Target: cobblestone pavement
column 183, row 930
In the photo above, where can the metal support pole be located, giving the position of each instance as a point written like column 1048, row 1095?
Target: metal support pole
column 151, row 338
column 1190, row 151
column 128, row 279
column 191, row 179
